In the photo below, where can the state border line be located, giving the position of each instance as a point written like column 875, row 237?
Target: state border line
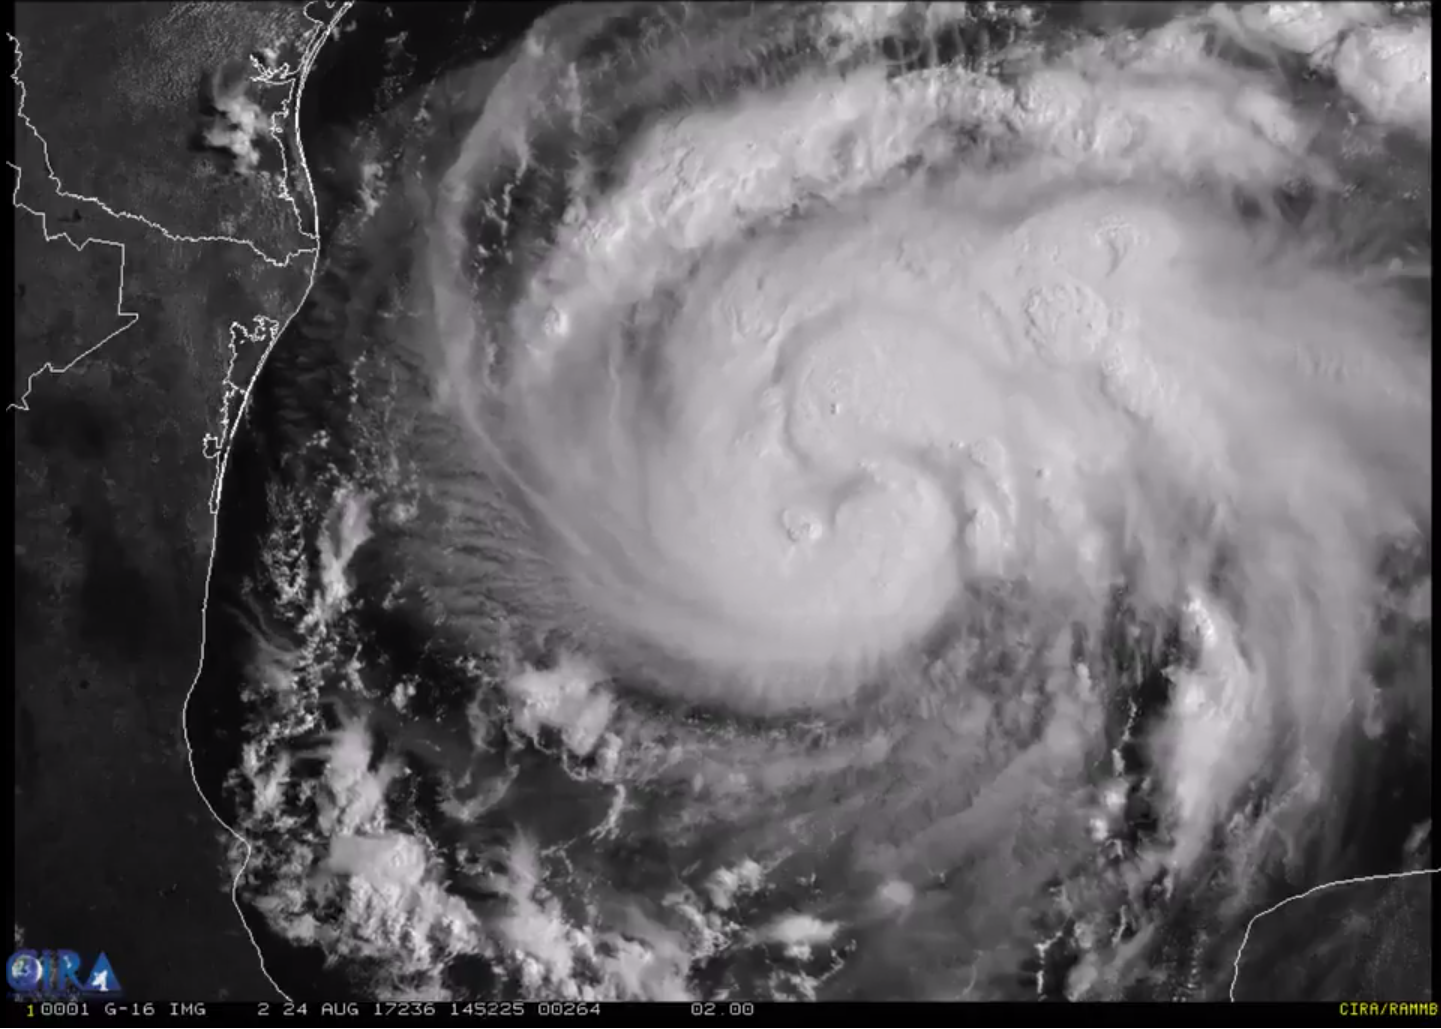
column 276, row 76
column 312, row 42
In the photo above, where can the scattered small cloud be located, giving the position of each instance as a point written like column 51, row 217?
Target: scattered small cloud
column 232, row 121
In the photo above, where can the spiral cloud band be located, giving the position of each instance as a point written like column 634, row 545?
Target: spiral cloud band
column 802, row 370
column 824, row 354
column 841, row 501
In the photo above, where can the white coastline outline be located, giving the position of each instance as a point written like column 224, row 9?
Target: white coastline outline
column 311, row 52
column 314, row 40
column 323, row 31
column 1236, row 967
column 232, row 403
column 312, row 43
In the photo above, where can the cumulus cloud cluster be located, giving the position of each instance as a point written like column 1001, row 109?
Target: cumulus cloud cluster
column 235, row 124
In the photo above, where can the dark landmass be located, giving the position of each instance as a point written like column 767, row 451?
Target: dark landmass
column 1367, row 941
column 117, row 90
column 114, row 850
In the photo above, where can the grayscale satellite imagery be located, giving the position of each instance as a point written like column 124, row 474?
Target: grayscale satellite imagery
column 660, row 511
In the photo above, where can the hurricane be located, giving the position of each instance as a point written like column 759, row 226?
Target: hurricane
column 827, row 359
column 850, row 377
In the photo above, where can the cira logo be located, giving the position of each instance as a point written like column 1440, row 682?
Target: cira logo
column 59, row 973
